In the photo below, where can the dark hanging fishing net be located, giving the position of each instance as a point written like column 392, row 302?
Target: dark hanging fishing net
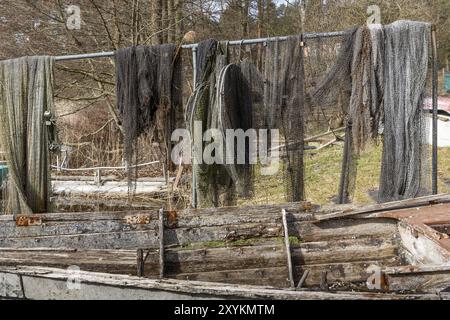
column 148, row 87
column 206, row 184
column 254, row 81
column 206, row 60
column 149, row 93
column 285, row 107
column 234, row 111
column 223, row 101
column 339, row 76
column 272, row 97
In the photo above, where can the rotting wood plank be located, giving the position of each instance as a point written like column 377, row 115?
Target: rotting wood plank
column 292, row 207
column 41, row 283
column 419, row 280
column 347, row 273
column 256, row 210
column 395, row 205
column 60, row 204
column 423, row 248
column 113, row 235
column 209, row 259
column 64, row 226
column 273, row 276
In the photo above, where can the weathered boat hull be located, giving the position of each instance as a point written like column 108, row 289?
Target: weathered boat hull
column 338, row 247
column 49, row 283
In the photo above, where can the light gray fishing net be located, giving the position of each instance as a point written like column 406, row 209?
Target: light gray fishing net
column 26, row 93
column 386, row 69
column 404, row 170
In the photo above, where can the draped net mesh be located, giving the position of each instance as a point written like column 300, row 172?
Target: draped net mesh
column 26, row 93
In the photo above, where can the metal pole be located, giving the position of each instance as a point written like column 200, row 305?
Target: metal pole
column 435, row 111
column 311, row 35
column 194, row 79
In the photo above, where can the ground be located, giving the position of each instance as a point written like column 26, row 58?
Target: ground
column 322, row 173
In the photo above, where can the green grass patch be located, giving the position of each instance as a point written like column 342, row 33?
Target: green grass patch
column 322, row 175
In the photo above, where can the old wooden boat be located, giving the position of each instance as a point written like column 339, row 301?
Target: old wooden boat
column 397, row 250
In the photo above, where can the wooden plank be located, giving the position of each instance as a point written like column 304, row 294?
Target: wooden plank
column 423, row 248
column 118, row 235
column 44, row 283
column 182, row 260
column 10, row 286
column 127, row 223
column 337, row 273
column 292, row 207
column 395, row 205
column 113, row 240
column 419, row 281
column 62, row 204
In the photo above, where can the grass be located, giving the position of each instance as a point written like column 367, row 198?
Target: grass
column 322, row 174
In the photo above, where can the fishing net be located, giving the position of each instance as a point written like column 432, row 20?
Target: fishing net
column 254, row 81
column 148, row 88
column 338, row 78
column 365, row 110
column 405, row 165
column 234, row 111
column 149, row 93
column 26, row 94
column 383, row 69
column 222, row 101
column 285, row 107
column 205, row 184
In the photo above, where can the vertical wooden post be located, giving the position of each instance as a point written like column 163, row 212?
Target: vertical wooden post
column 343, row 185
column 161, row 243
column 166, row 178
column 303, row 279
column 288, row 248
column 140, row 262
column 58, row 165
column 98, row 177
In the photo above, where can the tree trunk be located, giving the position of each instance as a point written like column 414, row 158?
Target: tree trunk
column 178, row 19
column 171, row 21
column 245, row 6
column 156, row 15
column 164, row 20
column 260, row 31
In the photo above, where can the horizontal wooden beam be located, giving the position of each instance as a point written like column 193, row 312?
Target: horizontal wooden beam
column 43, row 283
